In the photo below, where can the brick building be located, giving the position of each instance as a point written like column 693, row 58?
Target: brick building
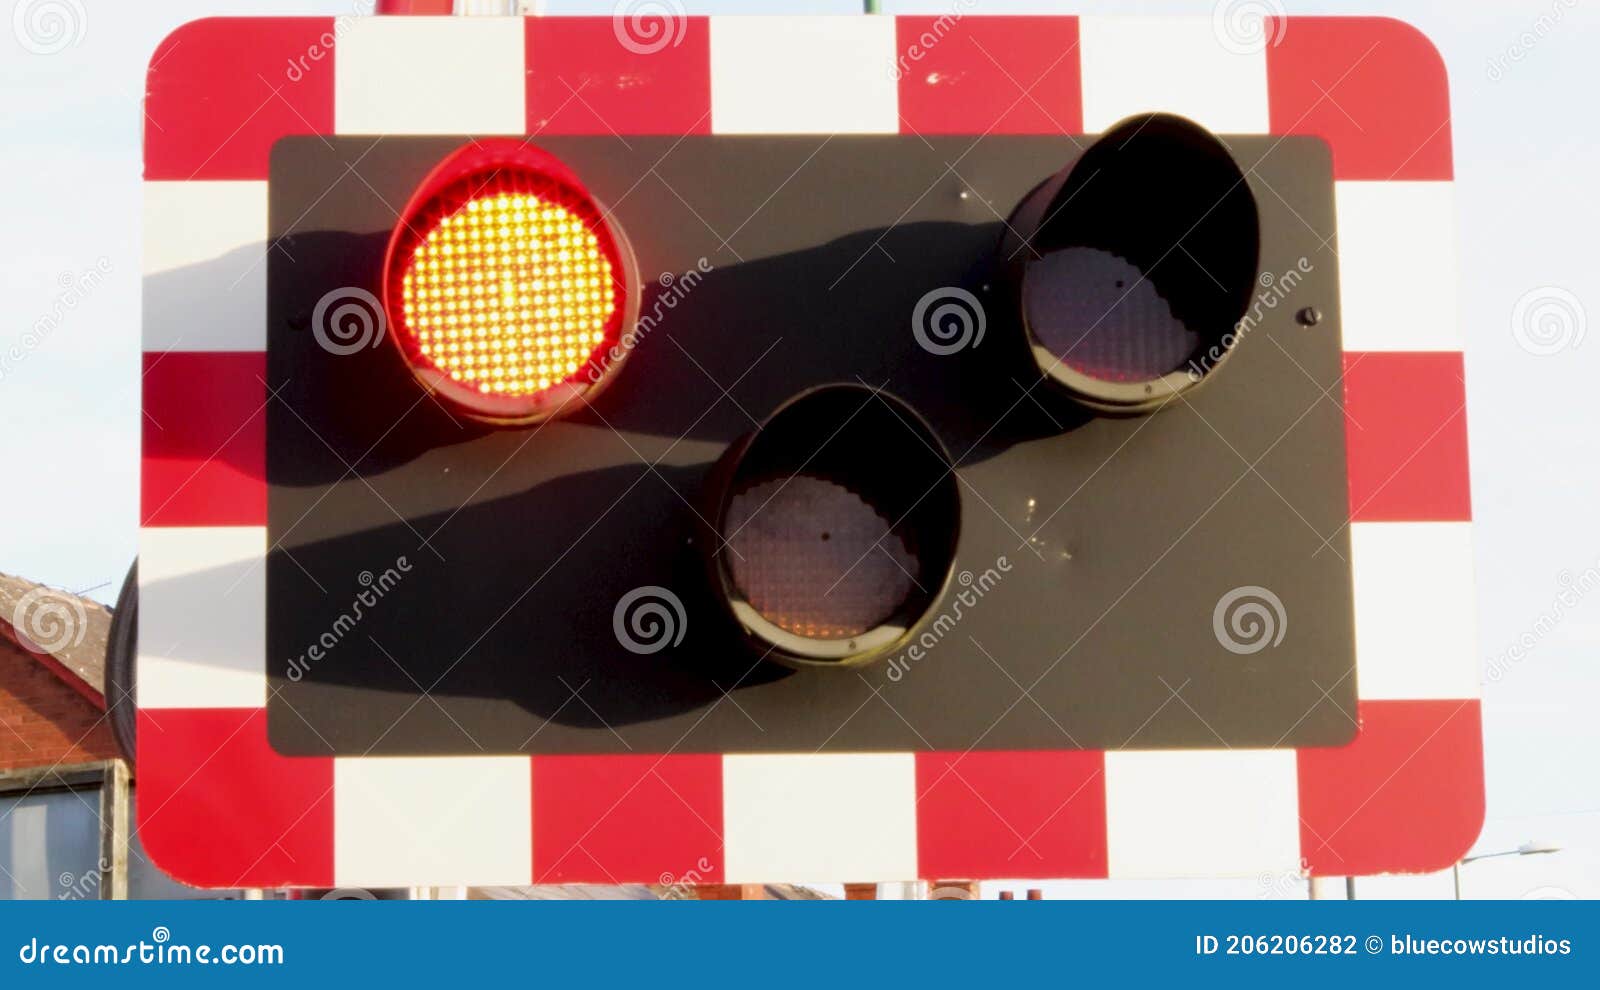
column 52, row 671
column 64, row 785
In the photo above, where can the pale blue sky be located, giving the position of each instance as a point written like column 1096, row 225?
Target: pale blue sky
column 1527, row 149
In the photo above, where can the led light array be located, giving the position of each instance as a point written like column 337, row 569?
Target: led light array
column 511, row 294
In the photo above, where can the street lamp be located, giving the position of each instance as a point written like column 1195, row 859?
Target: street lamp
column 1532, row 847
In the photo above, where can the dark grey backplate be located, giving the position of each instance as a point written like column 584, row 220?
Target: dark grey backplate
column 1121, row 536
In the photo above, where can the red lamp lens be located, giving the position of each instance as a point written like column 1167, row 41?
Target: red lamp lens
column 507, row 288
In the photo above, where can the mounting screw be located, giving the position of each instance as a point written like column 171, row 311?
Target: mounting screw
column 1309, row 317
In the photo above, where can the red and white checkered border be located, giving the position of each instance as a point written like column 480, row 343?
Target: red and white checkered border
column 218, row 807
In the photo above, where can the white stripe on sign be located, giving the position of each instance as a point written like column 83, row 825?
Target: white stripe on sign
column 431, row 75
column 409, row 821
column 205, row 266
column 1202, row 813
column 202, row 617
column 1414, row 601
column 1180, row 65
column 820, row 818
column 1397, row 265
column 803, row 75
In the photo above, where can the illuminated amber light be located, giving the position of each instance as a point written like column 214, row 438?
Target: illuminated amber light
column 511, row 294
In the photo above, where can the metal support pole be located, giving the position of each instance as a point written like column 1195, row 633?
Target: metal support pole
column 114, row 831
column 1332, row 888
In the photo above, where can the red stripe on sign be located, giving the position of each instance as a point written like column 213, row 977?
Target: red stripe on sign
column 1405, row 797
column 205, row 439
column 415, row 7
column 982, row 75
column 619, row 75
column 1022, row 814
column 218, row 807
column 1372, row 87
column 1406, row 434
column 222, row 90
column 627, row 819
